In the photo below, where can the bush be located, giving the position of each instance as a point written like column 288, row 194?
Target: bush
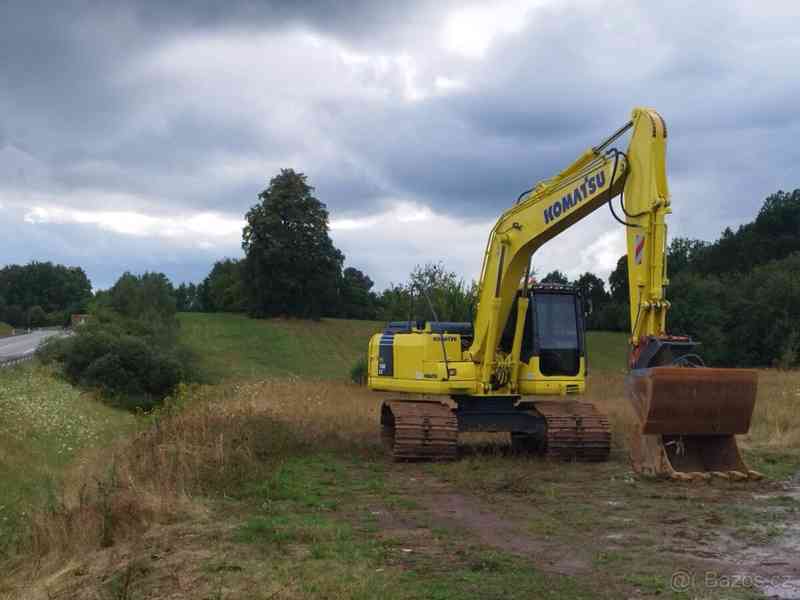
column 360, row 371
column 135, row 371
column 54, row 349
column 108, row 372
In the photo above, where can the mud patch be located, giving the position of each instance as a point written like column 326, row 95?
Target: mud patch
column 449, row 509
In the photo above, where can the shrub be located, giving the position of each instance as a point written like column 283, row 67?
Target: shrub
column 136, row 371
column 108, row 372
column 359, row 371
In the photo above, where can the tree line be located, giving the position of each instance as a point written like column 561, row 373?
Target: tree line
column 41, row 293
column 738, row 295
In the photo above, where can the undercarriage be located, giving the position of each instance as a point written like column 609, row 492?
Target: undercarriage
column 558, row 429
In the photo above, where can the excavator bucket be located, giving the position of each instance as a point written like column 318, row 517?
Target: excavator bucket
column 688, row 420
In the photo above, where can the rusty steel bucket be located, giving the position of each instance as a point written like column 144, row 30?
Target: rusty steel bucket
column 688, row 420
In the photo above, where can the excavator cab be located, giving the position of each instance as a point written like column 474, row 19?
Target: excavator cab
column 553, row 348
column 557, row 330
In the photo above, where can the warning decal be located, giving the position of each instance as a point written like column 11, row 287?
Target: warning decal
column 638, row 248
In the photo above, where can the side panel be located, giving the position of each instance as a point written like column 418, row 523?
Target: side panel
column 414, row 362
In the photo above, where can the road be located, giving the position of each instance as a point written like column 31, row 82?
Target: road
column 21, row 346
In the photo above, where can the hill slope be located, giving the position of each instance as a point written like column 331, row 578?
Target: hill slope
column 231, row 346
column 234, row 346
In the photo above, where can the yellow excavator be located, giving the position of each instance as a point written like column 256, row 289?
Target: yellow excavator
column 519, row 366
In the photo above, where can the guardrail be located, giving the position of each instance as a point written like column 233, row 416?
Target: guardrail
column 10, row 362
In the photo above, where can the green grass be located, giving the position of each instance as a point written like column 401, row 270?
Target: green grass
column 44, row 424
column 233, row 346
column 607, row 350
column 5, row 329
column 316, row 516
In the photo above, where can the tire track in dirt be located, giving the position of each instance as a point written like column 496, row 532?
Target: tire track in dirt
column 449, row 509
column 713, row 551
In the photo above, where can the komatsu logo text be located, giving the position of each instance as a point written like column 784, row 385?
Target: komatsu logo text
column 591, row 185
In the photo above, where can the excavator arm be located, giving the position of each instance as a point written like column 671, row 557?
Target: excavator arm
column 599, row 175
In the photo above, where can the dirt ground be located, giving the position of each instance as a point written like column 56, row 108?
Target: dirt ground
column 591, row 523
column 330, row 516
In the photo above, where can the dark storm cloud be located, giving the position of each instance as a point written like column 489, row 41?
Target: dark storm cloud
column 168, row 108
column 360, row 20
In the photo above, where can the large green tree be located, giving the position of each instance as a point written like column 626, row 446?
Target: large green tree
column 291, row 266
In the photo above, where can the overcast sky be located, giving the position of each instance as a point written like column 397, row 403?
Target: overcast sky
column 134, row 136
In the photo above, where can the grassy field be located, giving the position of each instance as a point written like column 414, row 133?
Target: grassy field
column 233, row 347
column 5, row 329
column 279, row 488
column 44, row 425
column 268, row 486
column 607, row 351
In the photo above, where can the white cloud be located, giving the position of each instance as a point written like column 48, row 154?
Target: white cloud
column 470, row 31
column 447, row 84
column 195, row 228
column 388, row 245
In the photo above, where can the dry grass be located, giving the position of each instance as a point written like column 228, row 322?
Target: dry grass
column 206, row 441
column 213, row 440
column 776, row 420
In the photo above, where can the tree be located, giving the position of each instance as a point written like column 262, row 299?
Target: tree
column 36, row 316
column 223, row 287
column 291, row 266
column 150, row 295
column 595, row 297
column 618, row 281
column 555, row 277
column 56, row 289
column 443, row 292
column 681, row 254
column 15, row 315
column 773, row 235
column 356, row 299
column 184, row 297
column 396, row 303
